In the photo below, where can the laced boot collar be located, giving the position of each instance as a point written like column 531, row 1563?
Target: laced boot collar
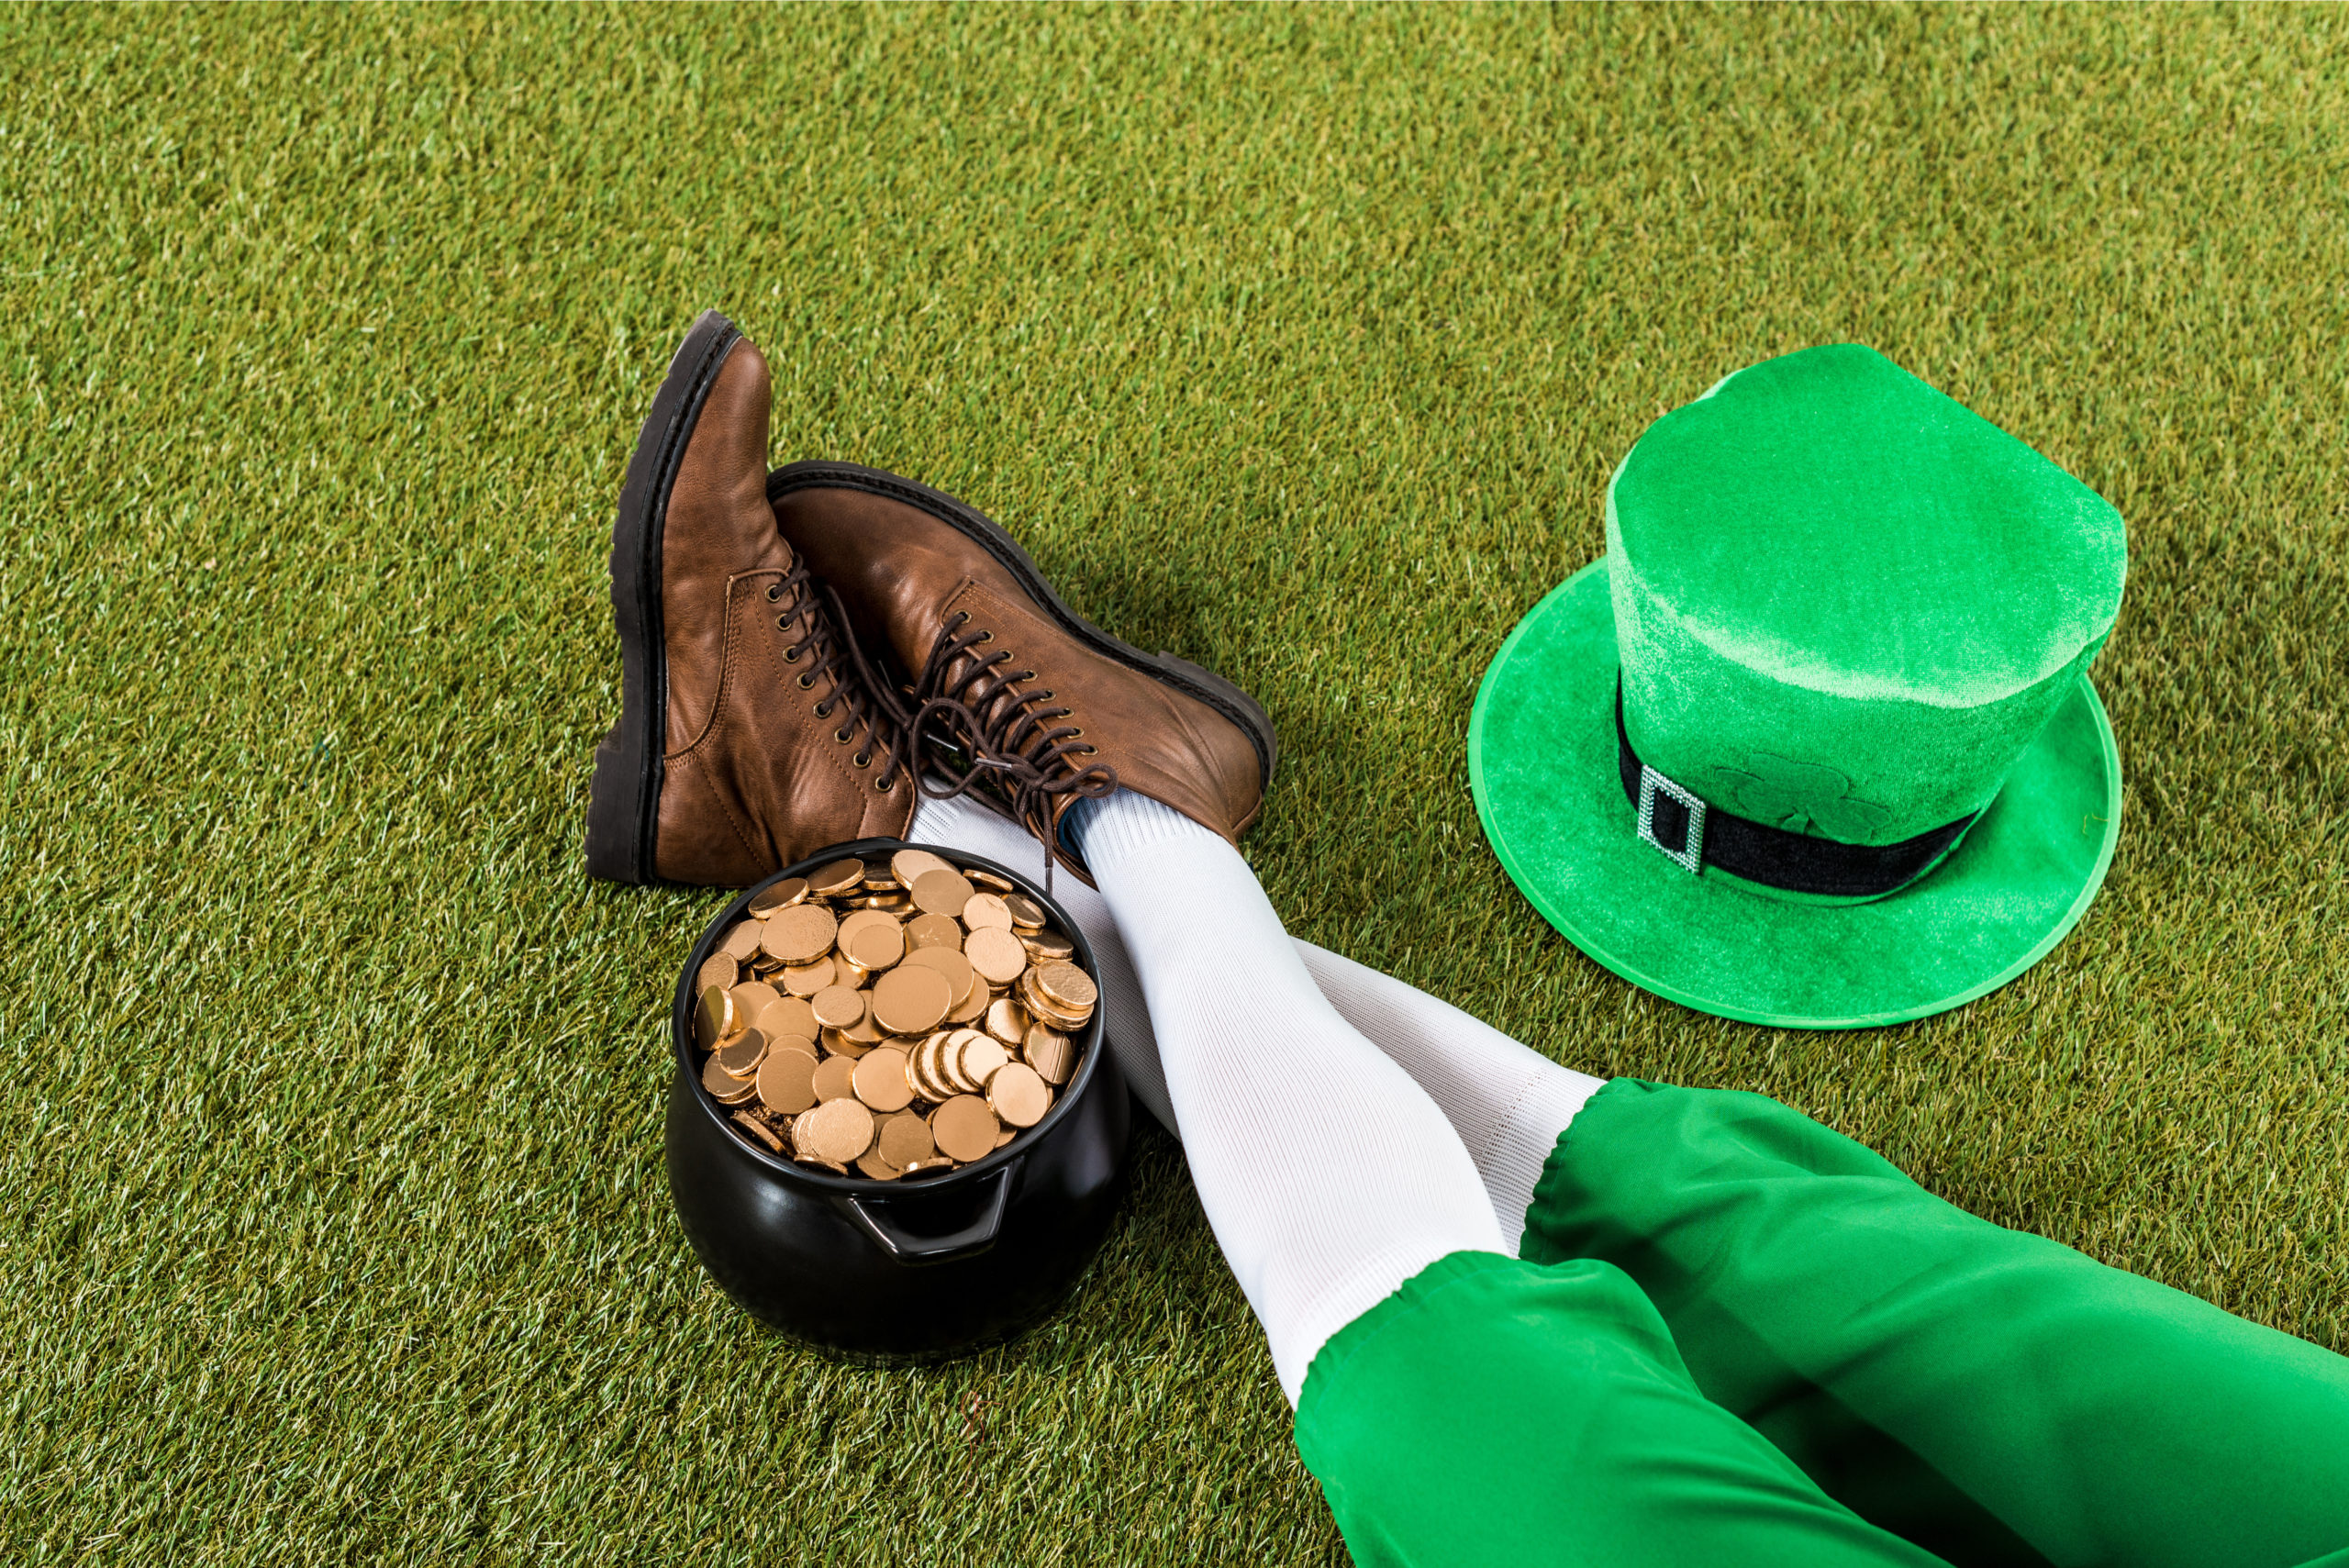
column 972, row 718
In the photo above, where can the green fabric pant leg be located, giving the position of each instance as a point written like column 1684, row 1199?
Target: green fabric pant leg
column 1498, row 1412
column 1989, row 1395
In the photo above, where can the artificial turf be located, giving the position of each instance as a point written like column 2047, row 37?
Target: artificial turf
column 1299, row 341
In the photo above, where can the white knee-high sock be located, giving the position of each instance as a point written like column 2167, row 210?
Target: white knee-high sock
column 1506, row 1102
column 961, row 823
column 1329, row 1177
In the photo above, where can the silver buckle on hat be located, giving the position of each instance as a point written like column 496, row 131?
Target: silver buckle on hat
column 1690, row 856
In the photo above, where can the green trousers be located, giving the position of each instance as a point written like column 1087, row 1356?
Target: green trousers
column 1737, row 1337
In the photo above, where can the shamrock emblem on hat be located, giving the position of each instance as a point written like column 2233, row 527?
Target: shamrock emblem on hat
column 1801, row 797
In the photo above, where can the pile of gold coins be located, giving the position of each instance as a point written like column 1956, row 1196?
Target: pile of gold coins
column 893, row 1019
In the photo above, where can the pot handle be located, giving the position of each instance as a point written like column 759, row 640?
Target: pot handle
column 873, row 1214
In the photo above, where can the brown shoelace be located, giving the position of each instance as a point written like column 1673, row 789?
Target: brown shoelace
column 834, row 665
column 967, row 716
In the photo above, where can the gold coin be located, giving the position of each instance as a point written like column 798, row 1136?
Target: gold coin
column 991, row 882
column 942, row 892
column 742, row 1058
column 786, row 1016
column 835, row 1076
column 981, row 1058
column 908, row 866
column 837, row 878
column 800, row 934
column 880, row 1080
column 921, row 1070
column 786, row 1081
column 780, row 896
column 878, row 948
column 835, row 1133
column 806, row 979
column 878, row 880
column 1007, row 1020
column 965, row 1127
column 870, row 1164
column 950, row 962
column 941, row 1073
column 933, row 931
column 865, row 1031
column 987, row 911
column 720, row 970
column 888, row 903
column 1047, row 945
column 911, row 999
column 1018, row 1096
column 974, row 1008
column 723, row 1086
column 1044, row 1008
column 1027, row 914
column 741, row 942
column 857, row 920
column 1005, row 1136
column 1043, row 1002
column 838, row 1007
column 1049, row 1052
column 713, row 1018
column 996, row 954
column 904, row 1138
column 847, row 972
column 1068, row 985
column 758, row 1129
column 950, row 1065
column 752, row 997
column 838, row 1044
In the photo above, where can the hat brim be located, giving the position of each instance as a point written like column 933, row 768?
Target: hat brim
column 1542, row 766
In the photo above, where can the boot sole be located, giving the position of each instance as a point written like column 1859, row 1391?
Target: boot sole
column 624, row 801
column 1191, row 680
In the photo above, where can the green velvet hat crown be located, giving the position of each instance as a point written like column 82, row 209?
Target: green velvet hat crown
column 1834, row 667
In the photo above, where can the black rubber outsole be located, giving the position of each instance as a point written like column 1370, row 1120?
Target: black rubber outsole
column 1190, row 679
column 624, row 800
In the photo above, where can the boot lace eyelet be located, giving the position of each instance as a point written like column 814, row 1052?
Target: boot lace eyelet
column 862, row 759
column 790, row 654
column 775, row 592
column 824, row 710
column 841, row 736
column 883, row 786
column 806, row 681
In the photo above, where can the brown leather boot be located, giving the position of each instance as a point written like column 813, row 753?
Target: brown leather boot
column 1000, row 687
column 746, row 741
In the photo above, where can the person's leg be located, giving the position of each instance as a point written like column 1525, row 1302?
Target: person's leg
column 1509, row 1104
column 1989, row 1395
column 1329, row 1177
column 1496, row 1411
column 1506, row 1102
column 1463, row 1407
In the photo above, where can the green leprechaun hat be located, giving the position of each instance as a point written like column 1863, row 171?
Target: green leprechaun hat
column 1814, row 744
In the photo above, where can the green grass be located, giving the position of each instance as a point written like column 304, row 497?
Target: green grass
column 1300, row 341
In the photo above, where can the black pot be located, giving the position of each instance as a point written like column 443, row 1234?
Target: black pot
column 912, row 1270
